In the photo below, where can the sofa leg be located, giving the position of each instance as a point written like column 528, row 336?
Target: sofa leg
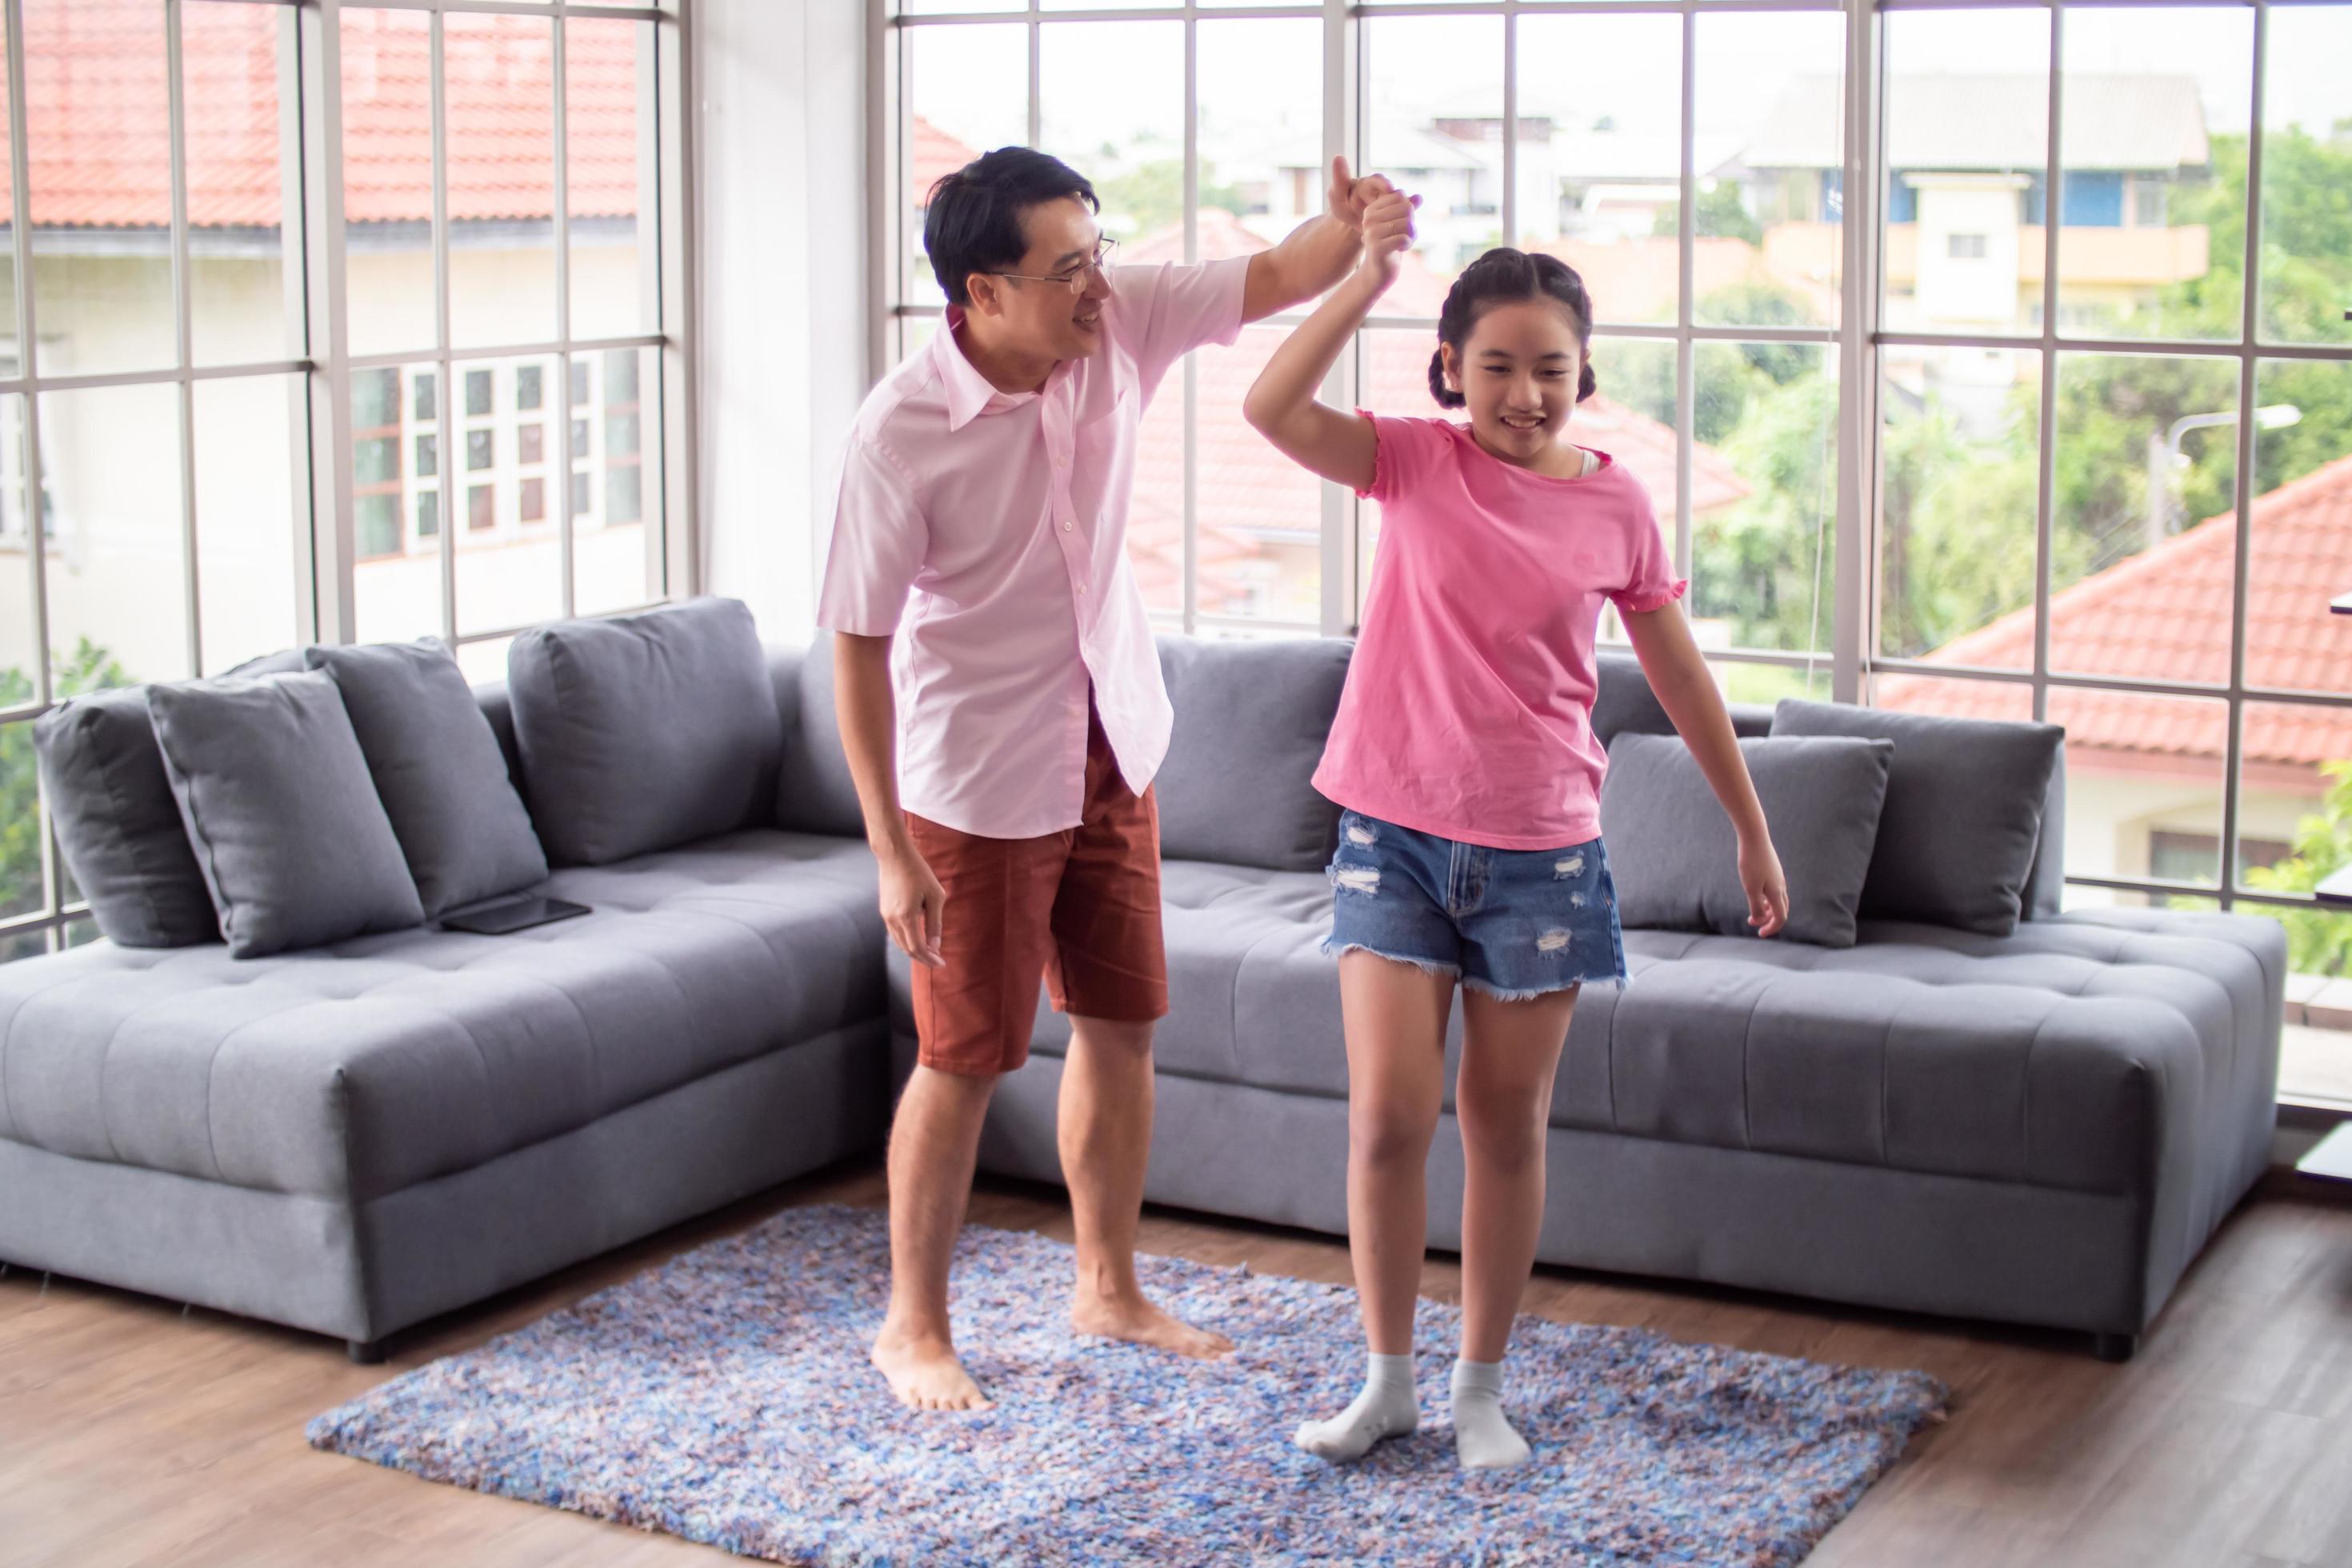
column 365, row 1352
column 2115, row 1349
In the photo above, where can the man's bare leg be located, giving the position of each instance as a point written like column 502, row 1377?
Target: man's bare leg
column 1105, row 1138
column 934, row 1145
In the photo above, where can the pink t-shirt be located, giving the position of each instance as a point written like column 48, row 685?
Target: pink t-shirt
column 1468, row 707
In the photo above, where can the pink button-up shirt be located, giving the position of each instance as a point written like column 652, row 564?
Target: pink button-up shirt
column 1004, row 515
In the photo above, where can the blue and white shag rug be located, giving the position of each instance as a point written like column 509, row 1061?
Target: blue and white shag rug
column 726, row 1397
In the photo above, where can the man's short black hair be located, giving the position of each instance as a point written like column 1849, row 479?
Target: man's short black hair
column 973, row 223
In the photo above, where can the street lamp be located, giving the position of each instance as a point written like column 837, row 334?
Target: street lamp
column 2164, row 458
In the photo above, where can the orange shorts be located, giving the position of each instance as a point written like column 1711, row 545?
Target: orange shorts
column 1079, row 909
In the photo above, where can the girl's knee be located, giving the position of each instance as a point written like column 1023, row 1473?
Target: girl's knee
column 1380, row 1134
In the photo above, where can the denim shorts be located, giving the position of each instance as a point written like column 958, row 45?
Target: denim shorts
column 1512, row 923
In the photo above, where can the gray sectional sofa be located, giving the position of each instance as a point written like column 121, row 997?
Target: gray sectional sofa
column 2040, row 1128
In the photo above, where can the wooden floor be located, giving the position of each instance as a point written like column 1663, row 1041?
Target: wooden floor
column 129, row 1434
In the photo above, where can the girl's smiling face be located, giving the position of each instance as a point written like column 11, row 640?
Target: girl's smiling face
column 1518, row 371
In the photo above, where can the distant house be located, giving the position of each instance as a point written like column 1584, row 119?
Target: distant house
column 1968, row 199
column 2144, row 772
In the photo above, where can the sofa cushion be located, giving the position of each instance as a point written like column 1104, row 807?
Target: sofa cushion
column 372, row 1064
column 1674, row 857
column 644, row 731
column 284, row 819
column 117, row 824
column 437, row 769
column 1251, row 720
column 815, row 792
column 1964, row 801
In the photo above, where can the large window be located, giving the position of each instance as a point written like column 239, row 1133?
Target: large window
column 1952, row 340
column 323, row 322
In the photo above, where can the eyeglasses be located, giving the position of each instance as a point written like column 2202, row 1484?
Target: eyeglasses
column 1075, row 280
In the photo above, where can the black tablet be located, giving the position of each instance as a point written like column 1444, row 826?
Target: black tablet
column 515, row 914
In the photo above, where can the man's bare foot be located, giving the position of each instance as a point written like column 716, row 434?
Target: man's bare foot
column 1137, row 1321
column 924, row 1374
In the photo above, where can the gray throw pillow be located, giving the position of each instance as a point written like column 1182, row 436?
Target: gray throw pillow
column 644, row 731
column 1964, row 804
column 1675, row 855
column 815, row 792
column 279, row 810
column 118, row 827
column 1250, row 722
column 437, row 769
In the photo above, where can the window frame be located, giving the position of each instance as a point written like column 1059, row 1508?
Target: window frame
column 309, row 138
column 1852, row 659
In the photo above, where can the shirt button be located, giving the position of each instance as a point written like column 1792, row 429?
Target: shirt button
column 1082, row 587
column 1065, row 525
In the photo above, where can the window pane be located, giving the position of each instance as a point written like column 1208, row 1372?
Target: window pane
column 530, row 381
column 20, row 848
column 396, row 580
column 2142, row 566
column 253, row 498
column 2306, row 168
column 1766, row 684
column 1433, row 125
column 2300, row 554
column 8, row 360
column 501, row 147
column 428, row 456
column 1261, row 133
column 240, row 186
column 2152, row 203
column 533, row 507
column 1631, row 415
column 388, row 180
column 1770, row 149
column 1960, row 435
column 580, row 437
column 2295, row 795
column 608, row 111
column 530, row 444
column 426, row 397
column 617, row 546
column 506, row 576
column 483, row 662
column 18, row 647
column 1762, row 568
column 1112, row 96
column 1260, row 514
column 479, row 398
column 920, row 7
column 1968, row 145
column 579, row 382
column 1601, row 160
column 100, row 163
column 967, row 92
column 1956, row 698
column 118, row 574
column 2143, row 782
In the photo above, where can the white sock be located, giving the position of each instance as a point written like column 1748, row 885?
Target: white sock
column 1482, row 1434
column 1386, row 1408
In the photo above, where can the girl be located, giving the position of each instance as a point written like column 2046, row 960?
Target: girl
column 1463, row 759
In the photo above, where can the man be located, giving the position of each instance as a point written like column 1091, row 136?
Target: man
column 1006, row 780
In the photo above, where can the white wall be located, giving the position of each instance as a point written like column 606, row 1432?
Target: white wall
column 780, row 88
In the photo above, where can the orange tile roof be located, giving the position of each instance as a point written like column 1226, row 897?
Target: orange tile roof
column 98, row 131
column 933, row 155
column 2164, row 615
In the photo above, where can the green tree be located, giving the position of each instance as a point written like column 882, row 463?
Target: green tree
column 2318, row 942
column 1152, row 196
column 1719, row 215
column 89, row 668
